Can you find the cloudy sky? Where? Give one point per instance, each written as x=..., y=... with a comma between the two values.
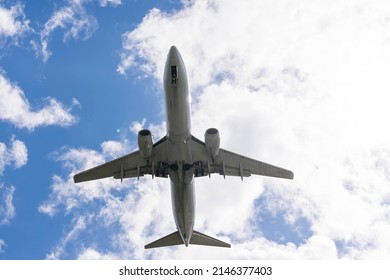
x=299, y=84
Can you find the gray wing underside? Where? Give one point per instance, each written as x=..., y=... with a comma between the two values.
x=227, y=163
x=129, y=166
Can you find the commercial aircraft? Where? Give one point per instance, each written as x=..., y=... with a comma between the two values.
x=181, y=157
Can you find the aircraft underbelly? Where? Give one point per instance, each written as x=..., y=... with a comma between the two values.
x=178, y=114
x=176, y=100
x=183, y=206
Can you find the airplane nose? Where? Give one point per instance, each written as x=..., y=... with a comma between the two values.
x=173, y=52
x=175, y=72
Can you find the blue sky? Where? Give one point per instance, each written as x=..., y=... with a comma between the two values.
x=300, y=85
x=81, y=75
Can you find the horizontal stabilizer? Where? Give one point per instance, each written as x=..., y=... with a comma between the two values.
x=197, y=238
x=169, y=240
x=203, y=239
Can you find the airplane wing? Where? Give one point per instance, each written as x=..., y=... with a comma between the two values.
x=129, y=166
x=230, y=164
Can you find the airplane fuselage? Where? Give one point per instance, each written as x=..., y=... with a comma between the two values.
x=177, y=101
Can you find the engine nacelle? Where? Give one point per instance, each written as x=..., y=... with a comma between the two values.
x=145, y=143
x=212, y=141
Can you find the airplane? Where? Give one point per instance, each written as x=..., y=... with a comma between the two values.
x=181, y=157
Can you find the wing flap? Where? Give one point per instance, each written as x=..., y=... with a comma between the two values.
x=124, y=165
x=234, y=163
x=128, y=166
x=231, y=164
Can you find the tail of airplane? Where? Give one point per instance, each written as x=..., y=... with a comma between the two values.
x=203, y=239
x=197, y=238
x=169, y=240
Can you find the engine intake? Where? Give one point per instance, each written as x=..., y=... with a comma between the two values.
x=145, y=143
x=212, y=141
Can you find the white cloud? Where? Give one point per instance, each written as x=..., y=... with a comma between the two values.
x=15, y=108
x=92, y=254
x=17, y=154
x=105, y=3
x=122, y=212
x=301, y=85
x=113, y=149
x=7, y=209
x=306, y=88
x=78, y=225
x=72, y=196
x=136, y=126
x=73, y=19
x=2, y=245
x=13, y=23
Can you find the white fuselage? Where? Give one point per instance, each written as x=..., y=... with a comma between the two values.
x=177, y=101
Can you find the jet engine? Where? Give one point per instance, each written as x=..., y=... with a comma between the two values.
x=145, y=143
x=212, y=141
